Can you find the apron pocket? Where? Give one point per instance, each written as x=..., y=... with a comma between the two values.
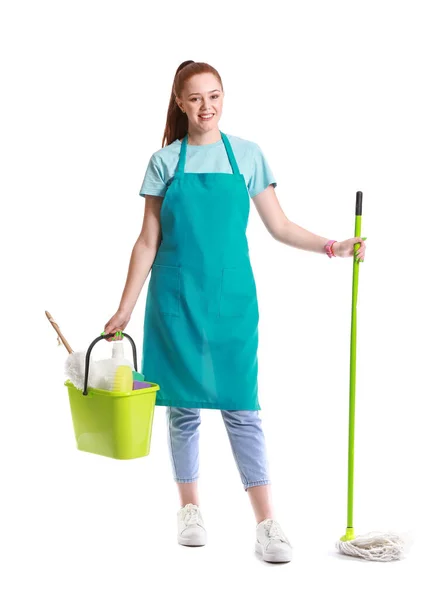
x=237, y=291
x=166, y=288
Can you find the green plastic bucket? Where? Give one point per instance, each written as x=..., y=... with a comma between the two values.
x=113, y=424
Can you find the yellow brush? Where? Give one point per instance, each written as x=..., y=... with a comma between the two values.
x=123, y=379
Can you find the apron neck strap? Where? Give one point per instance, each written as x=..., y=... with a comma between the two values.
x=231, y=156
x=182, y=158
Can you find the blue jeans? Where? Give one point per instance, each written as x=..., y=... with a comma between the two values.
x=245, y=435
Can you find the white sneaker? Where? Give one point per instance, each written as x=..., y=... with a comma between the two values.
x=191, y=530
x=271, y=542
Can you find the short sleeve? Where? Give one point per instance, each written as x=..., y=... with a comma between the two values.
x=261, y=174
x=154, y=179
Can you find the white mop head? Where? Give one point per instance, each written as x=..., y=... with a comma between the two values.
x=374, y=546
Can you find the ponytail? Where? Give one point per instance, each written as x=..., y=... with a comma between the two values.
x=177, y=123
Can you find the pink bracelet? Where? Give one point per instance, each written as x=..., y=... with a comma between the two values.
x=329, y=248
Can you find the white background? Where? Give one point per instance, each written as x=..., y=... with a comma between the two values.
x=335, y=95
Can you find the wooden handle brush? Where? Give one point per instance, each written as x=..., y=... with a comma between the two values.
x=57, y=329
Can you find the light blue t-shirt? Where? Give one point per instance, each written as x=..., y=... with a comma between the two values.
x=208, y=158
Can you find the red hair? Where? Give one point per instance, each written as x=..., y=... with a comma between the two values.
x=177, y=122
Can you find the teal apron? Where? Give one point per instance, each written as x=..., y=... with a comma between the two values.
x=201, y=319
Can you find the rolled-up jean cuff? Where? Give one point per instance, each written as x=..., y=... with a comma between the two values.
x=185, y=480
x=254, y=483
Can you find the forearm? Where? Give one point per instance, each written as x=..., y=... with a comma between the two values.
x=293, y=235
x=141, y=262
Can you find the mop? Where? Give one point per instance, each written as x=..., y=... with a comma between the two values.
x=375, y=545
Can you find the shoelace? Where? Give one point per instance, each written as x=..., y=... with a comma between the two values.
x=190, y=514
x=274, y=532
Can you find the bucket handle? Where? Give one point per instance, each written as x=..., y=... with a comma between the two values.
x=88, y=355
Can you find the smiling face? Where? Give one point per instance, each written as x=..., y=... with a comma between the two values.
x=202, y=100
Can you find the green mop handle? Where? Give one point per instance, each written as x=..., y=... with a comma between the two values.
x=353, y=367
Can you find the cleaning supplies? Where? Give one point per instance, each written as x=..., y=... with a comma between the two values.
x=139, y=381
x=138, y=376
x=74, y=370
x=117, y=424
x=75, y=364
x=139, y=385
x=101, y=372
x=109, y=366
x=123, y=380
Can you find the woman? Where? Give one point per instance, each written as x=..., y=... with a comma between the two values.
x=201, y=320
